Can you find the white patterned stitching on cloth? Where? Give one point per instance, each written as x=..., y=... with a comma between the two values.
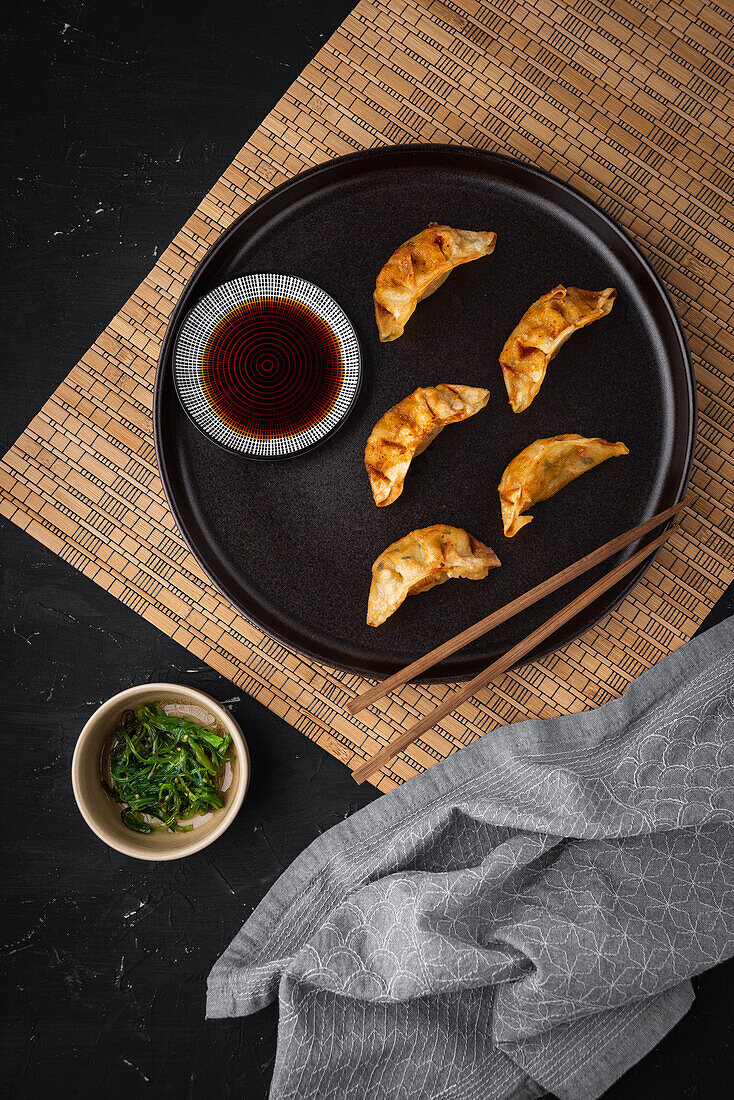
x=342, y=859
x=564, y=948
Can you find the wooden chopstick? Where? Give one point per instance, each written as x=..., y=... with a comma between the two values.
x=456, y=698
x=583, y=565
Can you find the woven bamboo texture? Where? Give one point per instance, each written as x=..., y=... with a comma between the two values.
x=631, y=102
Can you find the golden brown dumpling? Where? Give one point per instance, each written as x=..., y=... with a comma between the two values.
x=418, y=268
x=543, y=329
x=420, y=561
x=408, y=427
x=543, y=468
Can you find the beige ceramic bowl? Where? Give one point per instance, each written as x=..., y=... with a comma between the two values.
x=102, y=813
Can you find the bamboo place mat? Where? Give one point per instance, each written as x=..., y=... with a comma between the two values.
x=628, y=101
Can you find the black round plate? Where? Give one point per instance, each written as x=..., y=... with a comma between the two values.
x=292, y=544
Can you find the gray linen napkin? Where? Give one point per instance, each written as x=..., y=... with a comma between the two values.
x=523, y=918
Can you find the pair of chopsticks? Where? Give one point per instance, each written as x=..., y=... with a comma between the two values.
x=456, y=698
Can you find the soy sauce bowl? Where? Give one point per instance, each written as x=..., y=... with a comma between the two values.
x=267, y=366
x=103, y=814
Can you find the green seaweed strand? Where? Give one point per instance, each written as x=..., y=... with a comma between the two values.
x=166, y=768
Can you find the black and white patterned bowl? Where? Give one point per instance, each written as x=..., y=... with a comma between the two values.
x=271, y=370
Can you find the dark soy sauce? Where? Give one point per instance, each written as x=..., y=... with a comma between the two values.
x=272, y=367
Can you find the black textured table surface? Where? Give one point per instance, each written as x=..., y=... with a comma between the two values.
x=118, y=118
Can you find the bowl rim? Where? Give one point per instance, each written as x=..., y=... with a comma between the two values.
x=230, y=810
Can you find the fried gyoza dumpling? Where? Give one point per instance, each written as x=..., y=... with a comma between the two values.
x=420, y=561
x=543, y=468
x=407, y=429
x=418, y=268
x=543, y=329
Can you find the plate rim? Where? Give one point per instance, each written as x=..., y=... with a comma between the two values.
x=564, y=637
